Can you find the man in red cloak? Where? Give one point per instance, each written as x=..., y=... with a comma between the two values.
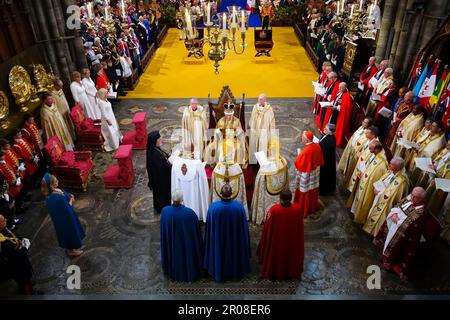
x=308, y=165
x=281, y=248
x=341, y=114
x=332, y=90
x=323, y=78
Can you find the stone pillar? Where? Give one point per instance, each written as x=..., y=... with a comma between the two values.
x=401, y=14
x=47, y=46
x=411, y=39
x=386, y=24
x=76, y=44
x=29, y=9
x=398, y=55
x=435, y=13
x=56, y=39
x=62, y=28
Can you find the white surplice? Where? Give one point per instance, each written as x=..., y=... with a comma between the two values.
x=79, y=95
x=193, y=183
x=91, y=92
x=111, y=133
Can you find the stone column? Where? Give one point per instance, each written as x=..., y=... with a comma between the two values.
x=62, y=28
x=398, y=55
x=411, y=39
x=47, y=46
x=397, y=28
x=29, y=9
x=435, y=13
x=56, y=39
x=76, y=44
x=385, y=29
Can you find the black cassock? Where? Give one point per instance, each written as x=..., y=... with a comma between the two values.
x=159, y=172
x=328, y=170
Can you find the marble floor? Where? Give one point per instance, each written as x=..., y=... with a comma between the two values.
x=122, y=246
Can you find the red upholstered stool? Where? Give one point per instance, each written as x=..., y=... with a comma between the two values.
x=120, y=175
x=138, y=136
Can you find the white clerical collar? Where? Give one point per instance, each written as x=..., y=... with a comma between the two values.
x=308, y=143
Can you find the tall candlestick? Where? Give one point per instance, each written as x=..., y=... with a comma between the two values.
x=370, y=10
x=224, y=22
x=233, y=19
x=337, y=8
x=123, y=9
x=208, y=13
x=360, y=5
x=343, y=6
x=243, y=20
x=351, y=11
x=106, y=10
x=89, y=9
x=189, y=26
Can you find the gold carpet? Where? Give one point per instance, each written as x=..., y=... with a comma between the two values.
x=287, y=74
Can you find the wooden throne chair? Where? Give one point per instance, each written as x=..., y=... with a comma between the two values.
x=263, y=42
x=217, y=110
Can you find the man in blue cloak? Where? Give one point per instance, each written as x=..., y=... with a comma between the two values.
x=227, y=240
x=181, y=241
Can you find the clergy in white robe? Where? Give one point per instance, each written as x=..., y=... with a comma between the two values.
x=79, y=96
x=232, y=174
x=270, y=181
x=91, y=90
x=262, y=127
x=189, y=176
x=63, y=106
x=53, y=123
x=110, y=127
x=194, y=127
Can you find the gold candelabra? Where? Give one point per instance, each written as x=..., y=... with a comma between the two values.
x=221, y=35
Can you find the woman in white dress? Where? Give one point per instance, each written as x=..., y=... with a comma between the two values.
x=91, y=91
x=110, y=128
x=80, y=96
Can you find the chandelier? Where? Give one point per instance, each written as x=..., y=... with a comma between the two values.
x=222, y=34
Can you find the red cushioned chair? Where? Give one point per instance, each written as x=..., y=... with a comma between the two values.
x=120, y=175
x=88, y=130
x=138, y=136
x=72, y=168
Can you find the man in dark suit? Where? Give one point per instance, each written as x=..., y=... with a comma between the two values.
x=141, y=31
x=327, y=184
x=14, y=261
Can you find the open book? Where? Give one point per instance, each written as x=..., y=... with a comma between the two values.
x=326, y=104
x=373, y=82
x=407, y=144
x=443, y=184
x=423, y=164
x=385, y=112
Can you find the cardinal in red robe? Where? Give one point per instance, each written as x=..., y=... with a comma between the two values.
x=308, y=165
x=281, y=248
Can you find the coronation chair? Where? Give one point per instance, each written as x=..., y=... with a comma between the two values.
x=88, y=130
x=72, y=168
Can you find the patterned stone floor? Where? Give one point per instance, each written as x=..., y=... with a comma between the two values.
x=122, y=255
